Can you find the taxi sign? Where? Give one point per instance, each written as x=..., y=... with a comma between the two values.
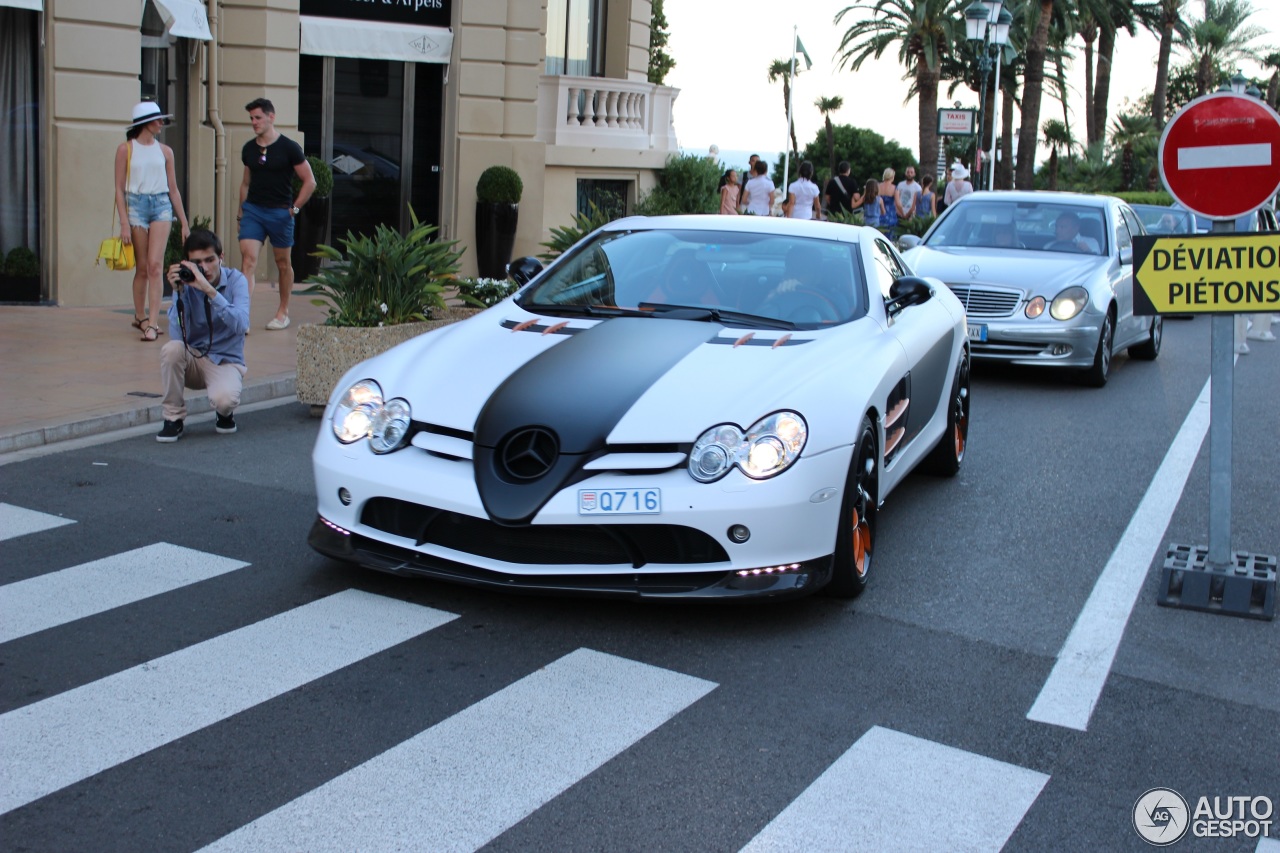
x=1228, y=274
x=1220, y=155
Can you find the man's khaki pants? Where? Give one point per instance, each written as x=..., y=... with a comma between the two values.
x=180, y=369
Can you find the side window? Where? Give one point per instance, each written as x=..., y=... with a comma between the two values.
x=1135, y=224
x=887, y=267
x=1123, y=240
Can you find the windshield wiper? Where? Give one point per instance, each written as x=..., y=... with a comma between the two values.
x=584, y=310
x=719, y=315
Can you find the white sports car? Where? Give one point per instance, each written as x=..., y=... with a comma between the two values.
x=686, y=406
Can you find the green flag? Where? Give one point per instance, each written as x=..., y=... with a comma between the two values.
x=808, y=63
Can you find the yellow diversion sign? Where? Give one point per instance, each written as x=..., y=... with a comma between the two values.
x=1205, y=274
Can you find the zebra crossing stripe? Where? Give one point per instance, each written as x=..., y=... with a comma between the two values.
x=891, y=791
x=463, y=782
x=66, y=738
x=16, y=521
x=64, y=596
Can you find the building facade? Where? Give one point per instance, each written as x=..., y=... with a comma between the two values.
x=407, y=100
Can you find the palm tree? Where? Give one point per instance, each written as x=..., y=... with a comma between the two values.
x=1272, y=60
x=1119, y=15
x=1222, y=38
x=1055, y=136
x=1164, y=18
x=1032, y=94
x=1130, y=132
x=925, y=31
x=827, y=106
x=780, y=69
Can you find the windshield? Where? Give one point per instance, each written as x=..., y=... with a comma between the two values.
x=729, y=277
x=1035, y=225
x=1165, y=220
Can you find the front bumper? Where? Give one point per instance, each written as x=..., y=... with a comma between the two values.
x=1041, y=342
x=412, y=512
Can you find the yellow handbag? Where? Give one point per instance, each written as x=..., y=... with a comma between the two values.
x=117, y=254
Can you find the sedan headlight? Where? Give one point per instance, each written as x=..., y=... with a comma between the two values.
x=362, y=413
x=1035, y=307
x=768, y=448
x=1069, y=303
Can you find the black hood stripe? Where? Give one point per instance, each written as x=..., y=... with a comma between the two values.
x=578, y=390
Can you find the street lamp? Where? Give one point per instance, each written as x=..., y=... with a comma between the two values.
x=1238, y=82
x=986, y=25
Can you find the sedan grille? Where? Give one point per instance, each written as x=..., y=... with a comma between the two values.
x=986, y=301
x=543, y=544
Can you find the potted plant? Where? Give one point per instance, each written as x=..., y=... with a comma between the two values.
x=497, y=208
x=381, y=290
x=311, y=222
x=21, y=276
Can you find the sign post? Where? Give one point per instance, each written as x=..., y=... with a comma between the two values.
x=1220, y=158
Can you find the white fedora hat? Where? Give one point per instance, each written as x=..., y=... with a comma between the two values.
x=146, y=112
x=959, y=171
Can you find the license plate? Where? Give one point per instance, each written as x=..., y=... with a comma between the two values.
x=619, y=501
x=978, y=332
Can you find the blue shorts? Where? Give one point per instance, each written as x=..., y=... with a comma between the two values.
x=145, y=208
x=259, y=223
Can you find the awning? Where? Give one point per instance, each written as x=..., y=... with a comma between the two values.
x=33, y=5
x=185, y=18
x=375, y=40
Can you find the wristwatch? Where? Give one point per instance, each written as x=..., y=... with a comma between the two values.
x=295, y=210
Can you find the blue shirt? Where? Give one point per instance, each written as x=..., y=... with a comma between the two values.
x=229, y=312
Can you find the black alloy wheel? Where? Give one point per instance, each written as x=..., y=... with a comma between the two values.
x=856, y=535
x=948, y=454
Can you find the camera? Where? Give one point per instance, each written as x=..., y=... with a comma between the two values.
x=186, y=274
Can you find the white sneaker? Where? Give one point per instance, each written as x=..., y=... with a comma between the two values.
x=1242, y=349
x=1263, y=336
x=277, y=323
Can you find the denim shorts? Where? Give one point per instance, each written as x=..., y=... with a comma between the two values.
x=145, y=208
x=259, y=223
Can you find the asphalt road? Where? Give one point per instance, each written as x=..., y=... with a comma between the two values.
x=265, y=698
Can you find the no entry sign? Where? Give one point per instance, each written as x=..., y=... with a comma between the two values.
x=1220, y=155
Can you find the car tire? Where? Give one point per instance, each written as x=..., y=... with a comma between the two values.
x=1101, y=369
x=1150, y=348
x=856, y=533
x=948, y=454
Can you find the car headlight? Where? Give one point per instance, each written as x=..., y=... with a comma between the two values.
x=768, y=448
x=1035, y=307
x=1069, y=303
x=362, y=413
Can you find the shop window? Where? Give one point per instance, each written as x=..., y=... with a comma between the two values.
x=575, y=37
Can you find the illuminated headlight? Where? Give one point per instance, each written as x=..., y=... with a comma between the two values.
x=362, y=413
x=1035, y=307
x=768, y=448
x=1069, y=303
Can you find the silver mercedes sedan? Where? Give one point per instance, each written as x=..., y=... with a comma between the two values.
x=1046, y=278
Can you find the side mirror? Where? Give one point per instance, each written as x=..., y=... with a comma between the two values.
x=1126, y=256
x=907, y=291
x=523, y=270
x=908, y=241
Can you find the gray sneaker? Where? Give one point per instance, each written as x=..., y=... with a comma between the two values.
x=170, y=432
x=226, y=424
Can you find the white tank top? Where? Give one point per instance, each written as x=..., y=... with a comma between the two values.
x=146, y=169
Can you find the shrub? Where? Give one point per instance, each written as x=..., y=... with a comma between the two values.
x=583, y=224
x=916, y=225
x=484, y=292
x=499, y=185
x=324, y=179
x=385, y=279
x=1136, y=197
x=845, y=217
x=22, y=263
x=689, y=183
x=173, y=251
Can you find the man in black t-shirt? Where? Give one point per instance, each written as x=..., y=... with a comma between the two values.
x=267, y=206
x=840, y=190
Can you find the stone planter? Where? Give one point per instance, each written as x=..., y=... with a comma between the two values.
x=325, y=353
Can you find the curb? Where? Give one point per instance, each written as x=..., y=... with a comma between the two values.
x=271, y=388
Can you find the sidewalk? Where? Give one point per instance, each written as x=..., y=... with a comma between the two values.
x=73, y=372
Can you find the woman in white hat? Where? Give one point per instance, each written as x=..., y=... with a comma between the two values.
x=959, y=185
x=147, y=198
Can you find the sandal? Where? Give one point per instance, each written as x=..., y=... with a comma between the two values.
x=137, y=322
x=149, y=332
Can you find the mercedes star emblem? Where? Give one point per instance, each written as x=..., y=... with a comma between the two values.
x=530, y=453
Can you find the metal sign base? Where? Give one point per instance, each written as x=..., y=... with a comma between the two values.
x=1245, y=587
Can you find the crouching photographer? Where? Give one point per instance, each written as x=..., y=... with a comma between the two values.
x=208, y=318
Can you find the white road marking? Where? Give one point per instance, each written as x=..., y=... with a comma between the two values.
x=16, y=521
x=463, y=782
x=1224, y=156
x=1073, y=687
x=69, y=737
x=74, y=593
x=891, y=791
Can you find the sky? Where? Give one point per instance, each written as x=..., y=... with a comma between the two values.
x=723, y=51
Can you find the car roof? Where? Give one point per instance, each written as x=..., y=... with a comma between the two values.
x=772, y=225
x=1054, y=196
